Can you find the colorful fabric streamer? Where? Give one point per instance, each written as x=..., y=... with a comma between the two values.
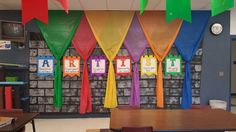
x=135, y=42
x=84, y=42
x=160, y=36
x=58, y=35
x=110, y=29
x=143, y=5
x=65, y=5
x=219, y=6
x=34, y=9
x=187, y=42
x=178, y=9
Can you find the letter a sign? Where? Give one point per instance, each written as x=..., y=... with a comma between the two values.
x=71, y=66
x=45, y=65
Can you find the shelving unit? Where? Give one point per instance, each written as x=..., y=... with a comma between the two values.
x=13, y=83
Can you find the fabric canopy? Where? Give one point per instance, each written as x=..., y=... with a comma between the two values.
x=58, y=35
x=160, y=36
x=84, y=43
x=135, y=42
x=178, y=9
x=187, y=42
x=110, y=29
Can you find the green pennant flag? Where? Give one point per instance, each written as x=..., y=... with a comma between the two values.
x=178, y=9
x=143, y=5
x=219, y=6
x=58, y=35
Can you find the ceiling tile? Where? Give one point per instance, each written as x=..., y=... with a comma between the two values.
x=119, y=4
x=94, y=4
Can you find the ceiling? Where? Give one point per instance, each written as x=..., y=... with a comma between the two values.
x=105, y=5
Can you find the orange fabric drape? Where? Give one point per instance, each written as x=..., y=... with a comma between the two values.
x=110, y=29
x=160, y=36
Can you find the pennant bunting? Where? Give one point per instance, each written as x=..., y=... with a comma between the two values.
x=135, y=42
x=187, y=42
x=71, y=66
x=219, y=6
x=160, y=36
x=84, y=42
x=178, y=9
x=34, y=9
x=143, y=5
x=45, y=66
x=148, y=65
x=64, y=4
x=98, y=66
x=173, y=65
x=58, y=35
x=110, y=29
x=123, y=66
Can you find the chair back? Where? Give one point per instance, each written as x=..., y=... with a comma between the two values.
x=136, y=129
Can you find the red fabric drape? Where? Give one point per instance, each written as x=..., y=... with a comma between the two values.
x=84, y=43
x=34, y=9
x=8, y=97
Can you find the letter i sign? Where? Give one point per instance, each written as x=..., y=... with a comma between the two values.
x=71, y=66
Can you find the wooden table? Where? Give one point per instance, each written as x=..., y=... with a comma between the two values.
x=174, y=120
x=20, y=122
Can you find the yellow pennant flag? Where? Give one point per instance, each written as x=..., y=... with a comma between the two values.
x=110, y=29
x=160, y=36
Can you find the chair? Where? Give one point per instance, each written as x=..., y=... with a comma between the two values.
x=136, y=129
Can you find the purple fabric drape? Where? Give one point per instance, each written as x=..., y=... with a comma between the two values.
x=135, y=42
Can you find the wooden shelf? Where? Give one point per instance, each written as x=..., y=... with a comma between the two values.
x=13, y=83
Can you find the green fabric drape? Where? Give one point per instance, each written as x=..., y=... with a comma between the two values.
x=219, y=6
x=58, y=35
x=178, y=9
x=143, y=5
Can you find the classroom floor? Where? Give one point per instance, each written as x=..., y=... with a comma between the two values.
x=80, y=124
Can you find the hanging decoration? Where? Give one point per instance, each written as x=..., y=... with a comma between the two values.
x=64, y=4
x=58, y=35
x=123, y=66
x=34, y=9
x=143, y=5
x=173, y=65
x=148, y=65
x=219, y=6
x=45, y=66
x=178, y=9
x=110, y=29
x=71, y=66
x=84, y=42
x=135, y=42
x=187, y=42
x=98, y=66
x=160, y=36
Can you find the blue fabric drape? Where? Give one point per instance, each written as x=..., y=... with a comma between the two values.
x=187, y=42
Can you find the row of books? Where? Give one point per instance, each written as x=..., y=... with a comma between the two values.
x=9, y=97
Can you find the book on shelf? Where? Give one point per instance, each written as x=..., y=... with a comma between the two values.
x=4, y=121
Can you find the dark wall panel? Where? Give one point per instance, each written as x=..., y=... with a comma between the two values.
x=215, y=77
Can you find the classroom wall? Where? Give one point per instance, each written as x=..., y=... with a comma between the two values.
x=206, y=67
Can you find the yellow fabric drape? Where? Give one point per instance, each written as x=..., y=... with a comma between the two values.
x=110, y=29
x=160, y=36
